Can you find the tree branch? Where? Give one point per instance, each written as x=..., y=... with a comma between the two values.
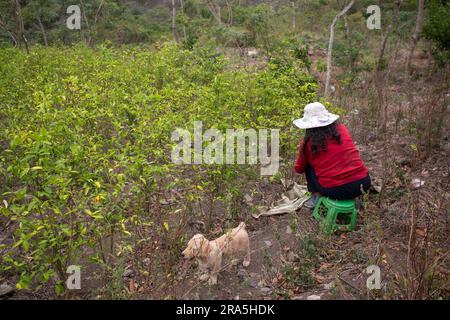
x=330, y=44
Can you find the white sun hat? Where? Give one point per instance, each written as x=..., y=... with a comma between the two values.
x=314, y=116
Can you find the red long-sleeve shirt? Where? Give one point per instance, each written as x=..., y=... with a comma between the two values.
x=338, y=165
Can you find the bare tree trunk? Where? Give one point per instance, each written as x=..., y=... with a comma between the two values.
x=293, y=16
x=330, y=45
x=379, y=76
x=416, y=35
x=88, y=37
x=4, y=26
x=97, y=13
x=44, y=34
x=347, y=33
x=386, y=34
x=230, y=12
x=344, y=16
x=215, y=10
x=97, y=16
x=184, y=27
x=20, y=26
x=347, y=27
x=174, y=21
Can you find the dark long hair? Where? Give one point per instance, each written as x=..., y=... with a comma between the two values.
x=319, y=137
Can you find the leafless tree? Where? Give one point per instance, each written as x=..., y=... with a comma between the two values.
x=20, y=25
x=387, y=33
x=87, y=38
x=44, y=34
x=416, y=35
x=230, y=12
x=214, y=8
x=184, y=26
x=379, y=76
x=330, y=44
x=4, y=26
x=293, y=15
x=174, y=21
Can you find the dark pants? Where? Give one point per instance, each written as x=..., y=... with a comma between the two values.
x=344, y=192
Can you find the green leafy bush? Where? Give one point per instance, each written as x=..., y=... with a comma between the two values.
x=437, y=24
x=437, y=28
x=86, y=138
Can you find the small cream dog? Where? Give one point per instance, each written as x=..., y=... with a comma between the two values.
x=209, y=253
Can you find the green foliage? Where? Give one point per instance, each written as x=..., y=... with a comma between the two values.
x=300, y=273
x=258, y=22
x=86, y=139
x=233, y=36
x=345, y=54
x=436, y=27
x=321, y=66
x=437, y=24
x=298, y=48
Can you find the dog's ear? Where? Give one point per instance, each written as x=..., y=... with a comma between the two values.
x=197, y=244
x=205, y=249
x=204, y=246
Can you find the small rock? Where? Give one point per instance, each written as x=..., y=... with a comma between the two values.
x=127, y=273
x=329, y=286
x=268, y=243
x=266, y=290
x=313, y=297
x=425, y=173
x=248, y=198
x=253, y=282
x=242, y=272
x=288, y=230
x=404, y=162
x=203, y=277
x=371, y=137
x=291, y=256
x=262, y=283
x=146, y=261
x=5, y=289
x=417, y=183
x=377, y=188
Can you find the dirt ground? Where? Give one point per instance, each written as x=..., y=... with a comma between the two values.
x=340, y=269
x=400, y=230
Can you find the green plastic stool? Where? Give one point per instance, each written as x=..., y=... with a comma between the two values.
x=327, y=212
